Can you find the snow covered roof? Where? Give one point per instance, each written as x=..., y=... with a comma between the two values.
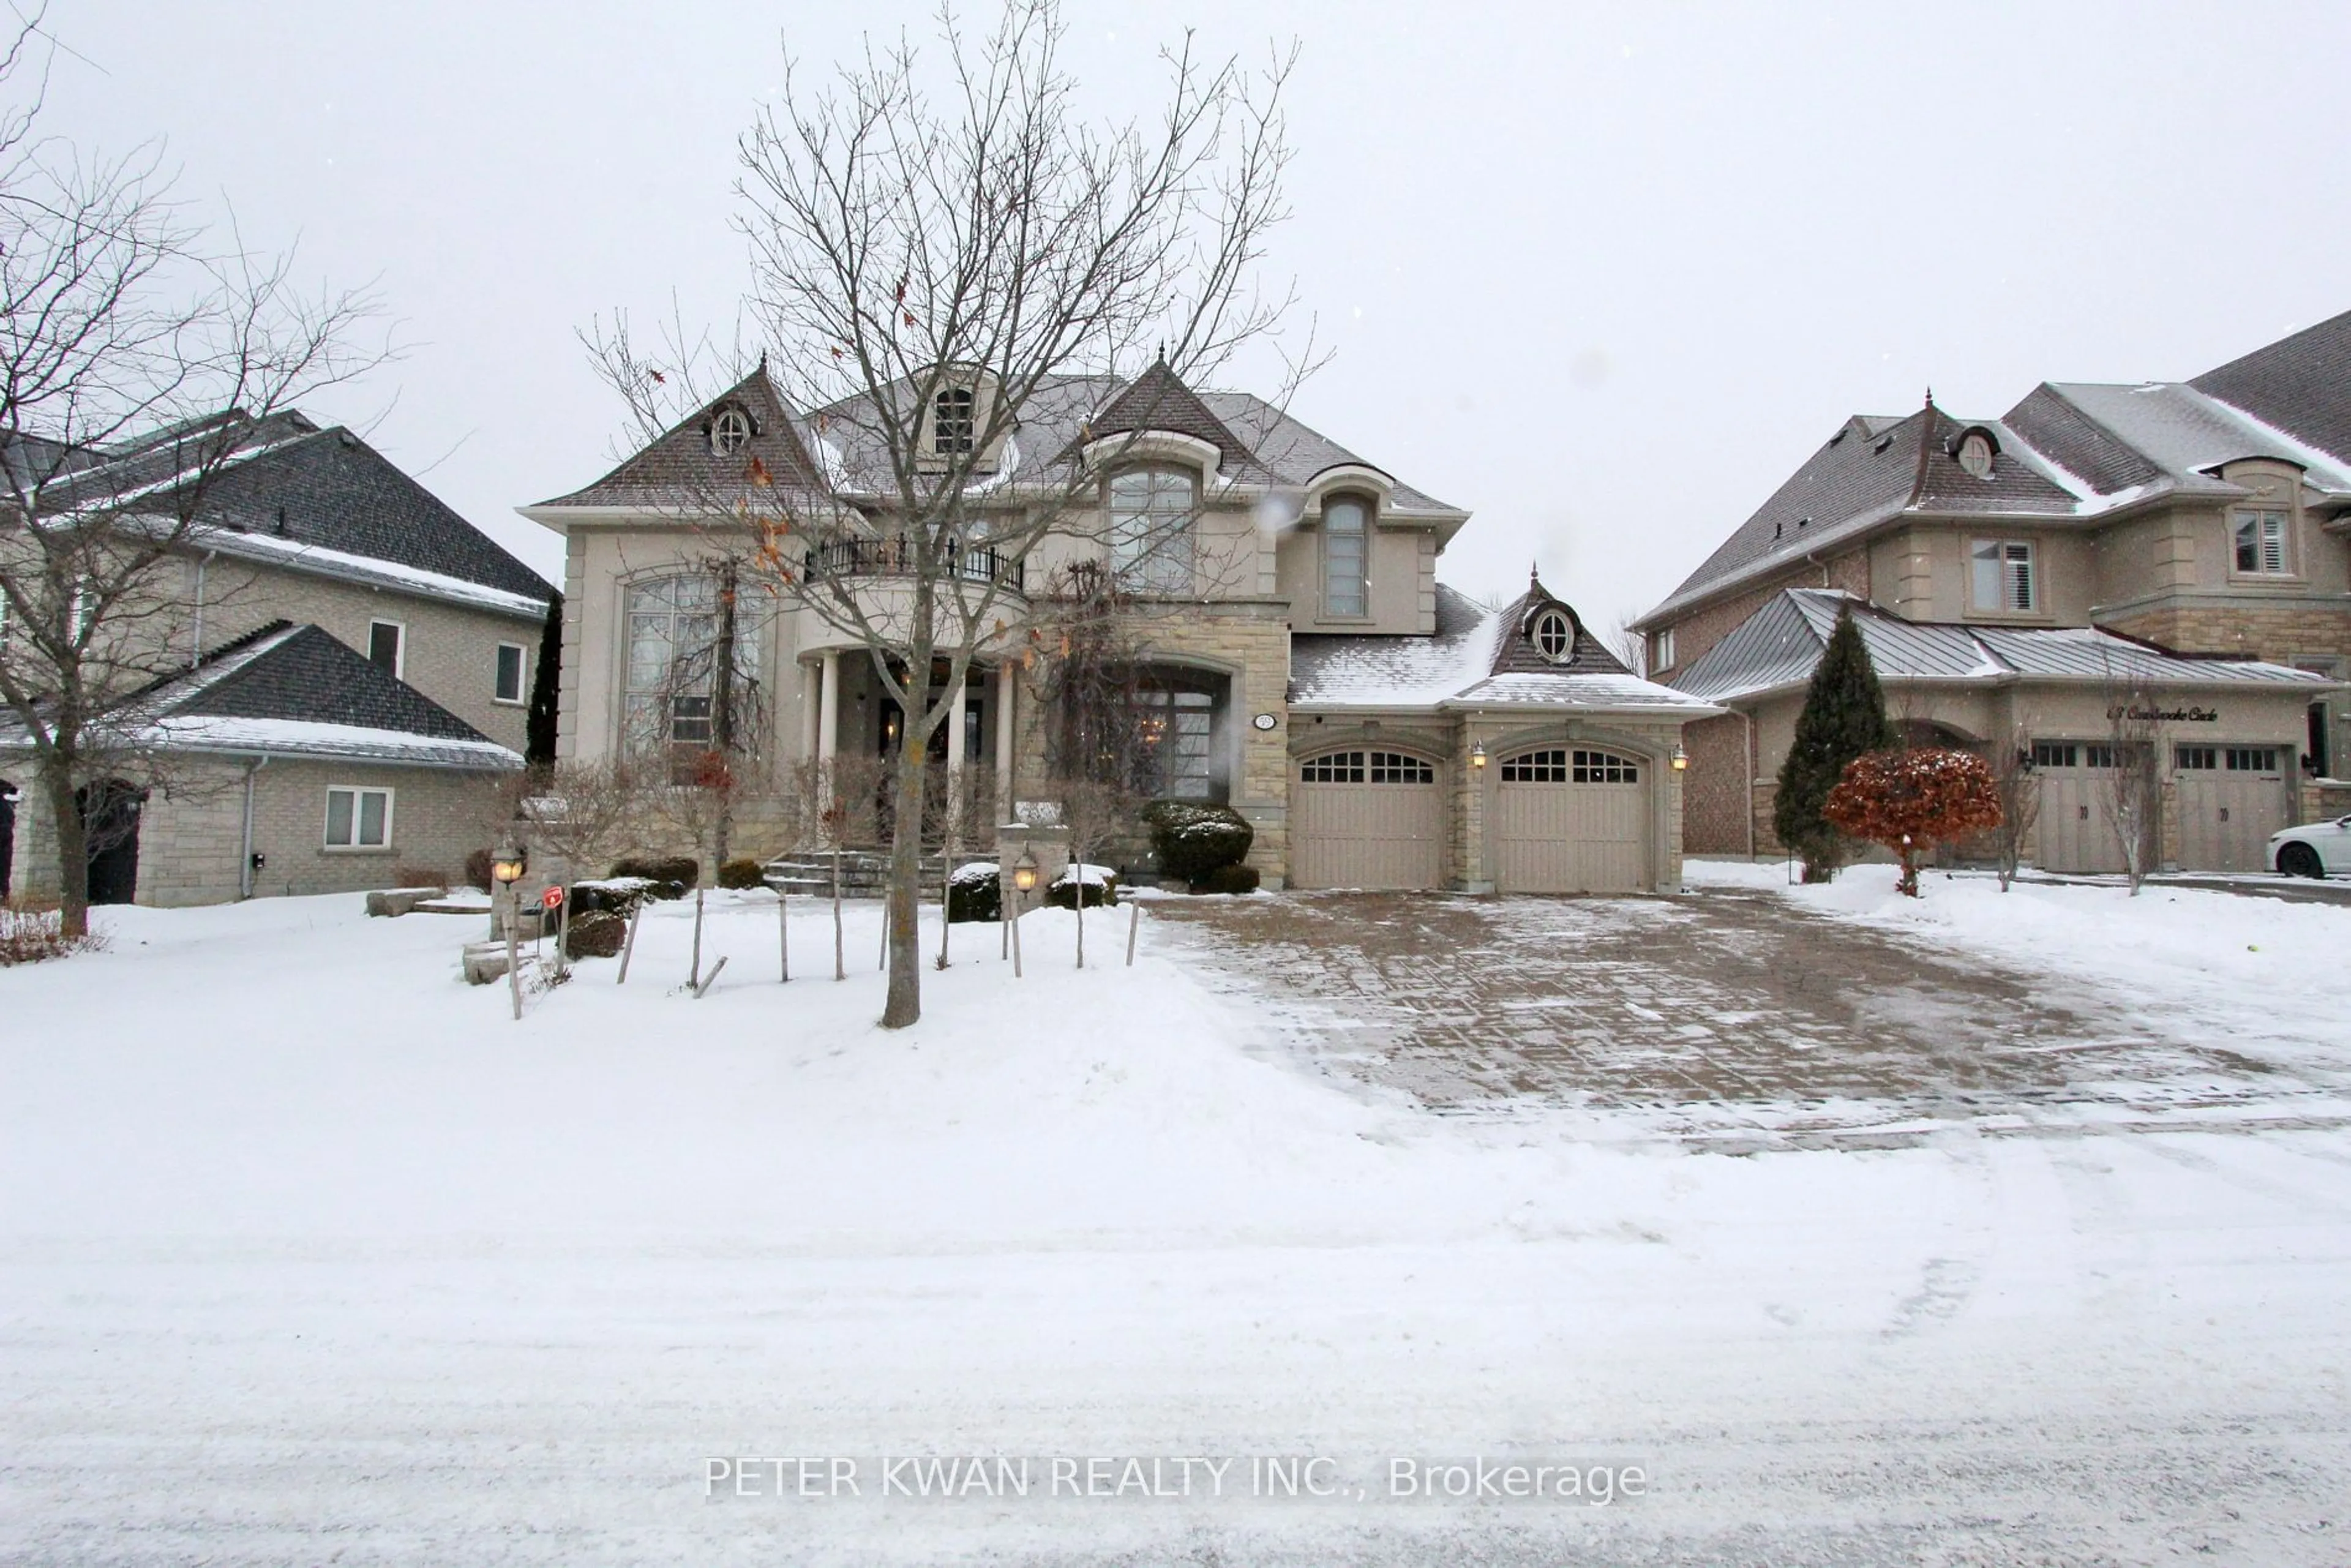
x=836, y=450
x=2068, y=451
x=295, y=691
x=1779, y=645
x=1478, y=657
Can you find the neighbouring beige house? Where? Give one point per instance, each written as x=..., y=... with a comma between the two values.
x=344, y=663
x=2160, y=565
x=1300, y=660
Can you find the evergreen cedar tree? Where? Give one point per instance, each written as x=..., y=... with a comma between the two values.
x=546, y=685
x=1912, y=800
x=1843, y=718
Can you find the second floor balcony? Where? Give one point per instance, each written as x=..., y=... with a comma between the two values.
x=888, y=557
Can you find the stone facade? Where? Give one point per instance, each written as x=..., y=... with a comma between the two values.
x=191, y=831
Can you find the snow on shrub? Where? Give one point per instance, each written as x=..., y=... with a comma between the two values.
x=1912, y=800
x=1101, y=884
x=1192, y=840
x=975, y=891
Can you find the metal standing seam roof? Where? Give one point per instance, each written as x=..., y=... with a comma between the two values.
x=1780, y=644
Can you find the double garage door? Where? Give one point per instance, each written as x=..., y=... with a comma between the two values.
x=2230, y=800
x=1566, y=820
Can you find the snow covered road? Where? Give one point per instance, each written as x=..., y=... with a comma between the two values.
x=308, y=1253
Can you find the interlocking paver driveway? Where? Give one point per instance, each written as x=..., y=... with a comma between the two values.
x=1727, y=1015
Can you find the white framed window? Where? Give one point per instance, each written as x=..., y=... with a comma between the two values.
x=388, y=647
x=358, y=819
x=952, y=425
x=2006, y=576
x=1554, y=635
x=730, y=432
x=1346, y=557
x=507, y=680
x=1661, y=650
x=1151, y=530
x=2259, y=543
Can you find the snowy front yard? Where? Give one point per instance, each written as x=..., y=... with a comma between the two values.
x=308, y=1252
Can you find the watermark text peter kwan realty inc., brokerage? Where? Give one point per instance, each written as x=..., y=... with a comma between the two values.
x=1305, y=1477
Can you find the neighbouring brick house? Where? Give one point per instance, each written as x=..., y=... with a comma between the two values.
x=346, y=662
x=1303, y=663
x=2175, y=550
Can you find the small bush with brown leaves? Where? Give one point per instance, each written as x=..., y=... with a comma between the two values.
x=29, y=936
x=597, y=935
x=1229, y=879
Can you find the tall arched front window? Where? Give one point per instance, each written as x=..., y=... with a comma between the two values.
x=672, y=697
x=1346, y=557
x=1151, y=530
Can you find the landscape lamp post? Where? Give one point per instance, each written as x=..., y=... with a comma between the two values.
x=1024, y=882
x=505, y=870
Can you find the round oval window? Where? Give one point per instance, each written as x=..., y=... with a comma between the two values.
x=1554, y=637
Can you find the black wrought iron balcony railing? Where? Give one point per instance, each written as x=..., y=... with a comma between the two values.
x=895, y=557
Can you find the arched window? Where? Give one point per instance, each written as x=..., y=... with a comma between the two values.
x=1346, y=557
x=951, y=420
x=730, y=432
x=672, y=696
x=1151, y=530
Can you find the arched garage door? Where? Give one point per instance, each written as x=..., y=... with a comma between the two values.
x=1572, y=820
x=1367, y=819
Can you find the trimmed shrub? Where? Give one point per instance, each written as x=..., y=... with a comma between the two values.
x=975, y=891
x=1100, y=890
x=598, y=935
x=741, y=873
x=1192, y=839
x=673, y=876
x=613, y=895
x=478, y=870
x=1229, y=879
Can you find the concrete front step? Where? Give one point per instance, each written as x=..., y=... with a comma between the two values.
x=864, y=874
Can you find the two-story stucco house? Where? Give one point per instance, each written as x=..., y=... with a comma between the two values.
x=344, y=661
x=1301, y=660
x=2173, y=550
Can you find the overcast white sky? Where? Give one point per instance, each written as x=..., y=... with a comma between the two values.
x=1604, y=274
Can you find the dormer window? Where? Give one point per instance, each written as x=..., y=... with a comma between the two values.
x=952, y=422
x=730, y=432
x=1975, y=454
x=1553, y=636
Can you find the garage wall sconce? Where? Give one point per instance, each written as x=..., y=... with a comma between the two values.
x=1478, y=755
x=1681, y=760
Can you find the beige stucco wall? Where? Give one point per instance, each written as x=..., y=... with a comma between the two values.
x=1403, y=579
x=450, y=651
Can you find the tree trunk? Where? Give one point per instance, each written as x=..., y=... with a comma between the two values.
x=905, y=1001
x=73, y=847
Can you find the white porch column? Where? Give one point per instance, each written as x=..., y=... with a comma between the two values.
x=811, y=701
x=955, y=727
x=828, y=719
x=1004, y=685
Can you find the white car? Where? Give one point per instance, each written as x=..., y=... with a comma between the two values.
x=2314, y=849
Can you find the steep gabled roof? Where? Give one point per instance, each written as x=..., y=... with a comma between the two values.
x=2301, y=385
x=1515, y=651
x=284, y=690
x=331, y=490
x=680, y=468
x=1158, y=400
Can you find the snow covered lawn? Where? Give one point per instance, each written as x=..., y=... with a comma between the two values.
x=308, y=1252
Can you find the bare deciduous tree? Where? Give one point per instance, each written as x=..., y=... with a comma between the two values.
x=930, y=254
x=2132, y=795
x=2018, y=789
x=581, y=813
x=139, y=359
